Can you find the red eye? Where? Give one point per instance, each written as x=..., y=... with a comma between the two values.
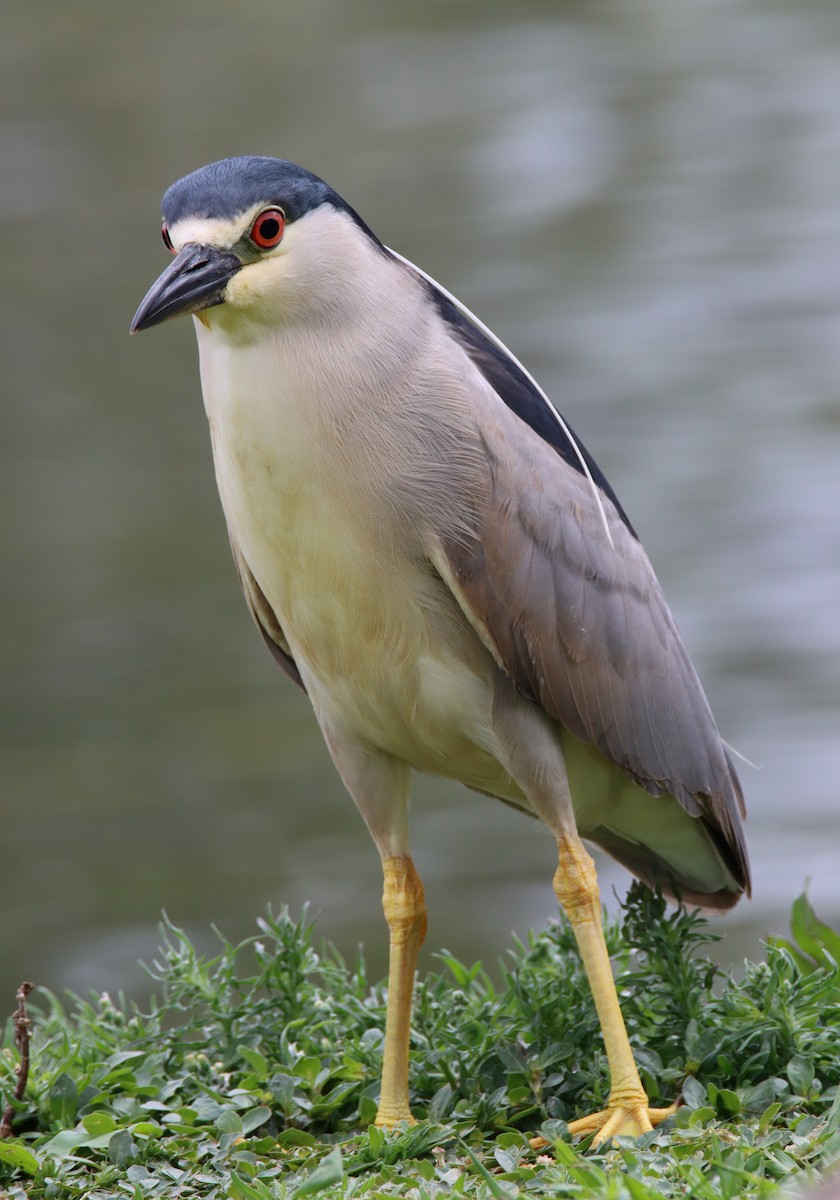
x=267, y=230
x=167, y=240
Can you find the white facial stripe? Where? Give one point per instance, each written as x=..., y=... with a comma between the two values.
x=212, y=231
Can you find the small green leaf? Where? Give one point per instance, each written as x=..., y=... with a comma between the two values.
x=307, y=1068
x=376, y=1140
x=256, y=1061
x=242, y=1189
x=282, y=1088
x=592, y=1178
x=121, y=1148
x=639, y=1190
x=18, y=1156
x=295, y=1137
x=833, y=1120
x=694, y=1093
x=805, y=963
x=146, y=1129
x=63, y=1100
x=728, y=1102
x=768, y=1116
x=99, y=1122
x=493, y=1185
x=330, y=1170
x=513, y=1139
x=122, y=1056
x=424, y=1167
x=461, y=973
x=441, y=1103
x=506, y=1160
x=757, y=1098
x=565, y=1154
x=101, y=1142
x=811, y=934
x=64, y=1143
x=800, y=1072
x=229, y=1121
x=253, y=1118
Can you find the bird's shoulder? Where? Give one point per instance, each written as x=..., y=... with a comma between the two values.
x=511, y=383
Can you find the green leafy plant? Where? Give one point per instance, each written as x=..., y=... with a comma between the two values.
x=254, y=1074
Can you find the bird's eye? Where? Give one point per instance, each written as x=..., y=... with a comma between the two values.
x=267, y=230
x=167, y=240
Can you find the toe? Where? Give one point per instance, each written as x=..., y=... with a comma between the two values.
x=624, y=1122
x=589, y=1124
x=620, y=1121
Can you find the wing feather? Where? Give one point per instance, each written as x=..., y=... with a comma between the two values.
x=265, y=617
x=581, y=626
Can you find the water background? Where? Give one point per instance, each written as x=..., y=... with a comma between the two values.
x=641, y=198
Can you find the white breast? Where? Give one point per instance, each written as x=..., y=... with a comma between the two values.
x=381, y=644
x=284, y=488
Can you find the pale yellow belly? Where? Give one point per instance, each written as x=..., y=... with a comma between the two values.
x=383, y=649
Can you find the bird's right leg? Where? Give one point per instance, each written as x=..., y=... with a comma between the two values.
x=379, y=785
x=405, y=912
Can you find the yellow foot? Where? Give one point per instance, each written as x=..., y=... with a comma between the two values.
x=620, y=1121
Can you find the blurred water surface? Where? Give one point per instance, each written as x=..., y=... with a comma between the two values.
x=641, y=198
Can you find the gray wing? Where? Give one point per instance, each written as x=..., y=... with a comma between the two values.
x=579, y=624
x=265, y=617
x=582, y=628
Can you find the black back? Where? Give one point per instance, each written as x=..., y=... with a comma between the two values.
x=514, y=387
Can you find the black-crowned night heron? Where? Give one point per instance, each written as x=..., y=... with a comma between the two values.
x=434, y=557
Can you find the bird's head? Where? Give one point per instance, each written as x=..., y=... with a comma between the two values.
x=255, y=240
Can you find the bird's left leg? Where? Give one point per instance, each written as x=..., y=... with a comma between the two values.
x=379, y=785
x=532, y=751
x=576, y=887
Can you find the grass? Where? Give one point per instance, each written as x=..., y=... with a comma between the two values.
x=255, y=1074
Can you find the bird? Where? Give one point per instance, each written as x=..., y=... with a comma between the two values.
x=431, y=553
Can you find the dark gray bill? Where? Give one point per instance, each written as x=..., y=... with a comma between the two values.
x=196, y=279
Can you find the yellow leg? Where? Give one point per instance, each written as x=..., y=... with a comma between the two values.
x=405, y=912
x=627, y=1112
